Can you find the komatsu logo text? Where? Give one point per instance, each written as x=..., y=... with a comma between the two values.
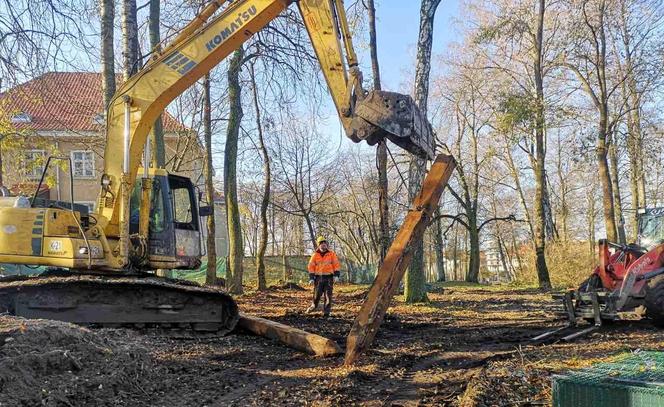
x=180, y=62
x=226, y=32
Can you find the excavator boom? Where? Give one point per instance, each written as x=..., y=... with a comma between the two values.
x=203, y=44
x=152, y=221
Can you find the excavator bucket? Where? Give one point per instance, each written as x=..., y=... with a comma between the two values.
x=393, y=116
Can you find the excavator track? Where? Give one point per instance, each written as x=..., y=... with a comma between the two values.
x=139, y=302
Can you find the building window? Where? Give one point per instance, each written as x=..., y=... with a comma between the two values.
x=83, y=163
x=21, y=118
x=34, y=163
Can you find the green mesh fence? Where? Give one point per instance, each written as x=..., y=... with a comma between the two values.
x=199, y=275
x=296, y=270
x=19, y=270
x=632, y=379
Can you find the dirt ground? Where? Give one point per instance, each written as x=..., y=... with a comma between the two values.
x=468, y=346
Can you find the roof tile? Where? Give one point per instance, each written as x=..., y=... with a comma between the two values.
x=61, y=101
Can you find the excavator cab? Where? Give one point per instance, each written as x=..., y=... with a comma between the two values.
x=174, y=237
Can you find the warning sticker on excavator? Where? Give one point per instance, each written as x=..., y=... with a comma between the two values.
x=180, y=62
x=56, y=246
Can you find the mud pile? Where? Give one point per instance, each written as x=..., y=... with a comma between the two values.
x=56, y=363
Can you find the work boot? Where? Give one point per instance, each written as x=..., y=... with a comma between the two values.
x=311, y=309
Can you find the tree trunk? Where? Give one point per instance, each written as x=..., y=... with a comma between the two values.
x=439, y=247
x=501, y=255
x=235, y=243
x=540, y=152
x=564, y=208
x=415, y=287
x=310, y=229
x=107, y=50
x=517, y=254
x=211, y=275
x=634, y=174
x=473, y=274
x=284, y=258
x=455, y=253
x=265, y=202
x=603, y=131
x=617, y=200
x=381, y=150
x=157, y=135
x=514, y=171
x=591, y=223
x=129, y=38
x=632, y=100
x=605, y=179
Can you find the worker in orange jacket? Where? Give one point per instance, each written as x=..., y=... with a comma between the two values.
x=324, y=270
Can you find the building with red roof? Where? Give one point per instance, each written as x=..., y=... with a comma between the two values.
x=61, y=114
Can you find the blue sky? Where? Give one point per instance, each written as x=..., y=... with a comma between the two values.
x=397, y=26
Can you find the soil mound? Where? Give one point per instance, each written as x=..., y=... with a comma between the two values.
x=51, y=363
x=288, y=286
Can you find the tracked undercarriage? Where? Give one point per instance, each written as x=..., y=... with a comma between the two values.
x=140, y=302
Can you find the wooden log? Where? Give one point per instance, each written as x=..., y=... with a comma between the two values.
x=398, y=258
x=293, y=337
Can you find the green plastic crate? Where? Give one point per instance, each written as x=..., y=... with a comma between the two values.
x=632, y=379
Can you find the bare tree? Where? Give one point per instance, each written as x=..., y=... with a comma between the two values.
x=157, y=136
x=381, y=150
x=415, y=284
x=517, y=32
x=589, y=64
x=540, y=152
x=130, y=51
x=211, y=275
x=234, y=268
x=303, y=173
x=265, y=201
x=107, y=51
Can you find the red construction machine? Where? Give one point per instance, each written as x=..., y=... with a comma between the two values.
x=628, y=283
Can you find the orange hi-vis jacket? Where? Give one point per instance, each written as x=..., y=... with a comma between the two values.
x=324, y=263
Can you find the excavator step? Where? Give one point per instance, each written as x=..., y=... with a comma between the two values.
x=120, y=301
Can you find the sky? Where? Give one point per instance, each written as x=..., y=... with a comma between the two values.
x=397, y=26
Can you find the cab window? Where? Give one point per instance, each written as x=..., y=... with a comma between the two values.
x=182, y=201
x=157, y=215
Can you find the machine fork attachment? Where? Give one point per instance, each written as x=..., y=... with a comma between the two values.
x=572, y=302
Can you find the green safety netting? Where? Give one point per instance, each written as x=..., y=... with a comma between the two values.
x=631, y=379
x=199, y=274
x=19, y=270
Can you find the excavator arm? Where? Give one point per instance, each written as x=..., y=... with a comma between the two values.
x=203, y=44
x=64, y=235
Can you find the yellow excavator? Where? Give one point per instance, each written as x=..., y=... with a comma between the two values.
x=100, y=263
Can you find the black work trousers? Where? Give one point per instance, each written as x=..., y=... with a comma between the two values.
x=323, y=288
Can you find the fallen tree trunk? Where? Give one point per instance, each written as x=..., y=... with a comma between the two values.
x=398, y=258
x=293, y=337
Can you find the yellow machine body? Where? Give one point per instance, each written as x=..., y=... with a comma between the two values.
x=47, y=237
x=149, y=219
